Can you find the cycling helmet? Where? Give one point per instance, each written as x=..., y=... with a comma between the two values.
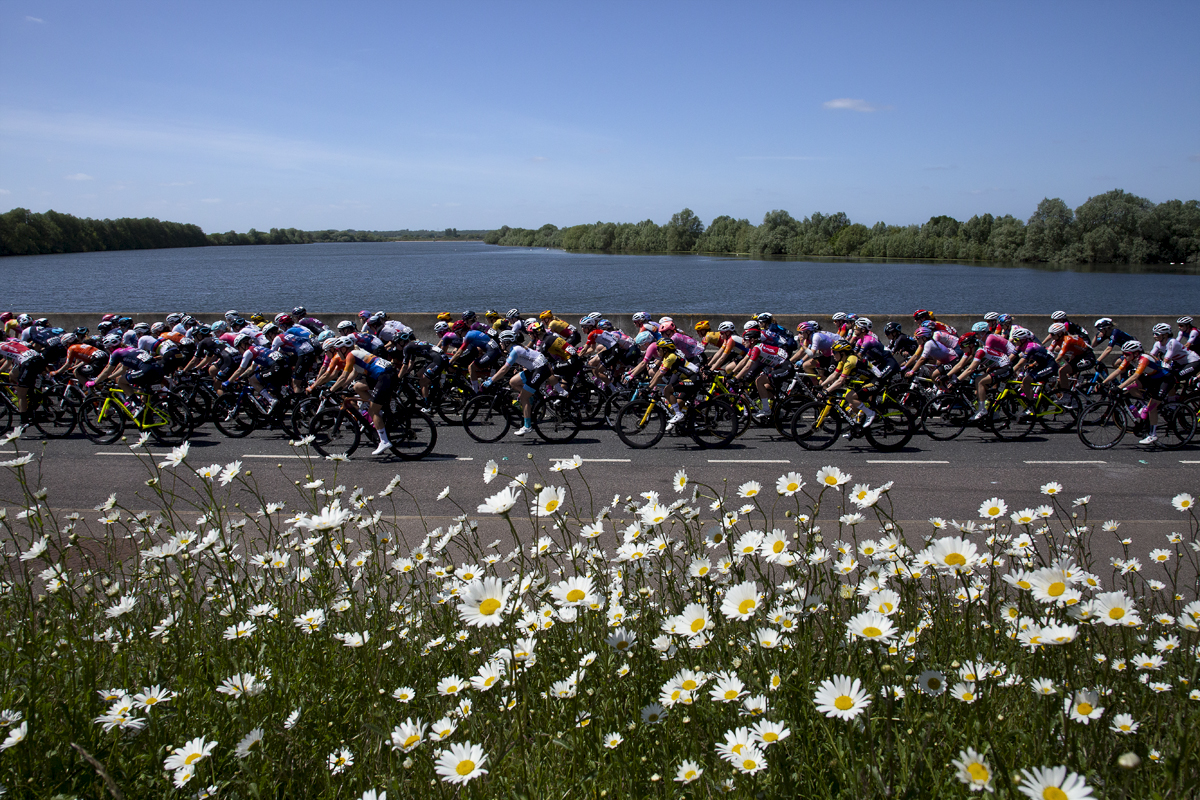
x=921, y=315
x=923, y=333
x=850, y=317
x=991, y=316
x=325, y=335
x=764, y=319
x=727, y=327
x=1161, y=329
x=81, y=331
x=1104, y=322
x=158, y=329
x=534, y=327
x=41, y=322
x=808, y=327
x=1058, y=316
x=863, y=323
x=105, y=318
x=1057, y=329
x=1132, y=346
x=640, y=317
x=68, y=339
x=1021, y=334
x=174, y=319
x=240, y=322
x=104, y=327
x=241, y=339
x=345, y=325
x=329, y=343
x=605, y=325
x=142, y=327
x=751, y=325
x=111, y=342
x=284, y=320
x=257, y=318
x=839, y=317
x=546, y=315
x=299, y=312
x=441, y=328
x=842, y=346
x=219, y=327
x=377, y=319
x=202, y=331
x=270, y=330
x=188, y=345
x=665, y=347
x=365, y=315
x=752, y=333
x=405, y=335
x=893, y=327
x=703, y=326
x=1005, y=319
x=124, y=322
x=644, y=338
x=980, y=327
x=1184, y=321
x=469, y=315
x=508, y=337
x=590, y=320
x=346, y=342
x=491, y=314
x=666, y=328
x=460, y=326
x=231, y=315
x=188, y=320
x=512, y=314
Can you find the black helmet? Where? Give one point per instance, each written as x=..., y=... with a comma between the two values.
x=299, y=311
x=468, y=315
x=892, y=327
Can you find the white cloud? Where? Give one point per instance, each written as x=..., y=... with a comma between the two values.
x=34, y=19
x=78, y=176
x=849, y=104
x=5, y=191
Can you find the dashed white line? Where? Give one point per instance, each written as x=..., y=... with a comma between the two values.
x=1181, y=461
x=596, y=460
x=1067, y=462
x=749, y=461
x=114, y=453
x=464, y=458
x=904, y=461
x=268, y=455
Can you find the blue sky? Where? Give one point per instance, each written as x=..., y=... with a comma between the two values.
x=473, y=115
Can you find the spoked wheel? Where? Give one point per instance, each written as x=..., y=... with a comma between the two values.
x=945, y=417
x=1058, y=410
x=588, y=403
x=555, y=420
x=453, y=397
x=783, y=409
x=892, y=428
x=815, y=426
x=1180, y=424
x=303, y=413
x=614, y=403
x=169, y=419
x=100, y=423
x=714, y=423
x=413, y=434
x=334, y=432
x=235, y=415
x=1010, y=420
x=57, y=413
x=6, y=416
x=1101, y=425
x=487, y=417
x=641, y=424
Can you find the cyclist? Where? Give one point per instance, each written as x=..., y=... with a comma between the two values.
x=901, y=346
x=533, y=371
x=607, y=349
x=84, y=360
x=1034, y=362
x=389, y=330
x=993, y=355
x=931, y=351
x=332, y=364
x=1072, y=353
x=1147, y=377
x=1073, y=329
x=375, y=381
x=413, y=351
x=816, y=355
x=565, y=360
x=1112, y=336
x=1189, y=334
x=25, y=364
x=215, y=356
x=314, y=325
x=644, y=323
x=767, y=365
x=775, y=334
x=480, y=352
x=921, y=316
x=672, y=369
x=131, y=367
x=265, y=368
x=846, y=366
x=1181, y=362
x=297, y=348
x=730, y=349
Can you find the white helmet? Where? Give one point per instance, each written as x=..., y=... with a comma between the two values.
x=1058, y=328
x=1058, y=316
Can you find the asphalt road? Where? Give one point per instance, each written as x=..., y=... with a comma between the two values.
x=1130, y=483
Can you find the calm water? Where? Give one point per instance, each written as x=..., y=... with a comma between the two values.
x=416, y=276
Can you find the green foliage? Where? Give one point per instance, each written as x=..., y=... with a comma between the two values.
x=23, y=233
x=1115, y=227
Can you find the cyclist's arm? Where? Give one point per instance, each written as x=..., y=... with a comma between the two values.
x=346, y=376
x=662, y=370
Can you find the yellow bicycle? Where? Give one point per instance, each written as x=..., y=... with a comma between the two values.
x=163, y=414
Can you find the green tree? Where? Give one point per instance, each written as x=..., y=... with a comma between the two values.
x=683, y=231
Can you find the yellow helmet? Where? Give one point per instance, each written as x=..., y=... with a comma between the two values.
x=703, y=327
x=546, y=315
x=257, y=319
x=842, y=346
x=445, y=316
x=665, y=347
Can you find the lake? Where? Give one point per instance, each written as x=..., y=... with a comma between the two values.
x=427, y=276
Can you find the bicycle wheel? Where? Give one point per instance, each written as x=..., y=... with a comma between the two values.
x=588, y=403
x=486, y=417
x=234, y=416
x=335, y=432
x=555, y=420
x=103, y=425
x=56, y=415
x=815, y=426
x=1058, y=410
x=413, y=434
x=1010, y=420
x=1177, y=421
x=784, y=408
x=641, y=424
x=303, y=413
x=6, y=415
x=615, y=402
x=892, y=428
x=199, y=404
x=945, y=417
x=1101, y=425
x=453, y=396
x=170, y=418
x=714, y=423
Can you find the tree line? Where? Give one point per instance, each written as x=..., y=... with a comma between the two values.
x=1115, y=227
x=25, y=233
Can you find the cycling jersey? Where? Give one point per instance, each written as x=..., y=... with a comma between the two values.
x=1173, y=353
x=768, y=355
x=1114, y=340
x=610, y=339
x=822, y=342
x=994, y=352
x=674, y=363
x=367, y=341
x=1146, y=367
x=526, y=357
x=128, y=339
x=390, y=331
x=847, y=365
x=299, y=347
x=311, y=324
x=904, y=345
x=368, y=364
x=779, y=336
x=945, y=339
x=1191, y=339
x=564, y=329
x=1037, y=356
x=1072, y=346
x=938, y=353
x=131, y=357
x=557, y=348
x=691, y=349
x=450, y=342
x=732, y=344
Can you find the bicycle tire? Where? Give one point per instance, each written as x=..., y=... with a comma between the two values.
x=55, y=416
x=451, y=399
x=892, y=428
x=1180, y=424
x=172, y=410
x=335, y=432
x=199, y=403
x=633, y=431
x=232, y=417
x=101, y=428
x=615, y=402
x=945, y=417
x=555, y=420
x=1101, y=425
x=1059, y=412
x=714, y=423
x=486, y=417
x=6, y=416
x=303, y=413
x=1010, y=421
x=783, y=409
x=413, y=434
x=808, y=434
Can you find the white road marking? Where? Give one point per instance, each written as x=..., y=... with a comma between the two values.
x=596, y=460
x=749, y=461
x=464, y=458
x=1066, y=462
x=114, y=453
x=1181, y=461
x=903, y=461
x=268, y=455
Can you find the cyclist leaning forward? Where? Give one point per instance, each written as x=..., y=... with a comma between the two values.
x=374, y=381
x=1144, y=376
x=534, y=370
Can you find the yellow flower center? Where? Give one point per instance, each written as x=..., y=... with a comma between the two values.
x=749, y=764
x=150, y=701
x=193, y=758
x=968, y=697
x=843, y=703
x=979, y=773
x=689, y=685
x=702, y=571
x=830, y=480
x=1116, y=613
x=575, y=595
x=885, y=607
x=956, y=559
x=770, y=736
x=451, y=689
x=1084, y=708
x=410, y=741
x=1056, y=589
x=1054, y=793
x=1123, y=726
x=778, y=546
x=730, y=694
x=550, y=506
x=934, y=684
x=489, y=680
x=489, y=606
x=465, y=767
x=993, y=511
x=871, y=632
x=746, y=606
x=792, y=487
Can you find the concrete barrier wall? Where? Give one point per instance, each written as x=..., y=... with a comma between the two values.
x=1137, y=326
